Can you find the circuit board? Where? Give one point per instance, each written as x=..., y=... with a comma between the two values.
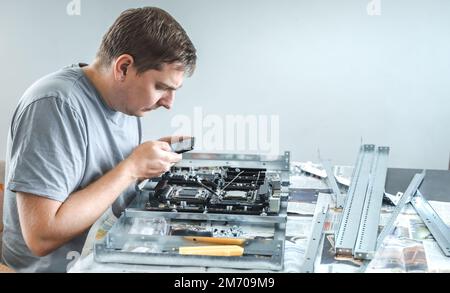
x=227, y=190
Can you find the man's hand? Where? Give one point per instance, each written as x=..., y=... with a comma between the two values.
x=151, y=159
x=174, y=139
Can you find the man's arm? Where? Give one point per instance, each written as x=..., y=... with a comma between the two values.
x=47, y=224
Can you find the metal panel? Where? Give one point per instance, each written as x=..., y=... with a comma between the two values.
x=349, y=225
x=121, y=245
x=315, y=237
x=368, y=227
x=439, y=230
x=171, y=244
x=279, y=163
x=338, y=198
x=406, y=198
x=109, y=255
x=140, y=213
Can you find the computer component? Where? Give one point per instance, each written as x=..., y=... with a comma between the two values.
x=229, y=190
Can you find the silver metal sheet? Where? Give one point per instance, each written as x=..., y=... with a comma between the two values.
x=277, y=163
x=338, y=198
x=171, y=244
x=368, y=227
x=141, y=213
x=271, y=163
x=437, y=227
x=315, y=237
x=124, y=246
x=106, y=255
x=349, y=225
x=406, y=198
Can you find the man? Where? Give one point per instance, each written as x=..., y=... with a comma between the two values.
x=74, y=147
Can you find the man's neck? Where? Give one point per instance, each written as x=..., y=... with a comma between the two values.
x=100, y=79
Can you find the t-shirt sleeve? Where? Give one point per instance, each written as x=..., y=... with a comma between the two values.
x=48, y=150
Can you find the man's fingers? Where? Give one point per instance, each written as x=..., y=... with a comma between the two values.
x=164, y=146
x=174, y=139
x=173, y=157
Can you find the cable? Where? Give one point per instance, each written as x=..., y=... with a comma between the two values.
x=232, y=180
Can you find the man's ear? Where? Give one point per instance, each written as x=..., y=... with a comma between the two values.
x=122, y=67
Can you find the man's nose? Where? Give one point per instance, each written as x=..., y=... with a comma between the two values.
x=167, y=100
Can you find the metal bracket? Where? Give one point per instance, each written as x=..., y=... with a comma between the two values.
x=439, y=230
x=368, y=228
x=141, y=213
x=337, y=196
x=406, y=198
x=349, y=225
x=279, y=163
x=315, y=237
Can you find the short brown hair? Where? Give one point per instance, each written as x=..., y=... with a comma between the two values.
x=152, y=37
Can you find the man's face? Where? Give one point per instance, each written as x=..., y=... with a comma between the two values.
x=150, y=90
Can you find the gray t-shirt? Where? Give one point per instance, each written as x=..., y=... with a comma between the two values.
x=62, y=138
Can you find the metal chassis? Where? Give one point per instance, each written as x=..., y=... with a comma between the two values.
x=279, y=164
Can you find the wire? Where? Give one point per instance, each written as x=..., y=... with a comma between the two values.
x=223, y=189
x=204, y=186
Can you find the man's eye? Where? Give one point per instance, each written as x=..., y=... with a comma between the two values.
x=160, y=88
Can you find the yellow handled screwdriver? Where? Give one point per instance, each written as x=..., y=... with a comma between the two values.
x=213, y=250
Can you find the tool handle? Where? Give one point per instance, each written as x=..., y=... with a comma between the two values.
x=217, y=240
x=215, y=250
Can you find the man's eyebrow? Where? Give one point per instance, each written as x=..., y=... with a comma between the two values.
x=164, y=85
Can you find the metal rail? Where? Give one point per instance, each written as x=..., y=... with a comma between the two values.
x=315, y=237
x=368, y=228
x=439, y=230
x=337, y=196
x=349, y=225
x=141, y=213
x=406, y=198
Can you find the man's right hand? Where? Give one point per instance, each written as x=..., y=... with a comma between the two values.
x=151, y=159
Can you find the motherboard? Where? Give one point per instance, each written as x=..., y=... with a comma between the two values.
x=226, y=190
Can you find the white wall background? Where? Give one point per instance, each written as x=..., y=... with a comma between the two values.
x=330, y=71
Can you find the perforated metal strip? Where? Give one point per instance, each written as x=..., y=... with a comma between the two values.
x=437, y=227
x=368, y=228
x=406, y=198
x=316, y=236
x=351, y=216
x=337, y=197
